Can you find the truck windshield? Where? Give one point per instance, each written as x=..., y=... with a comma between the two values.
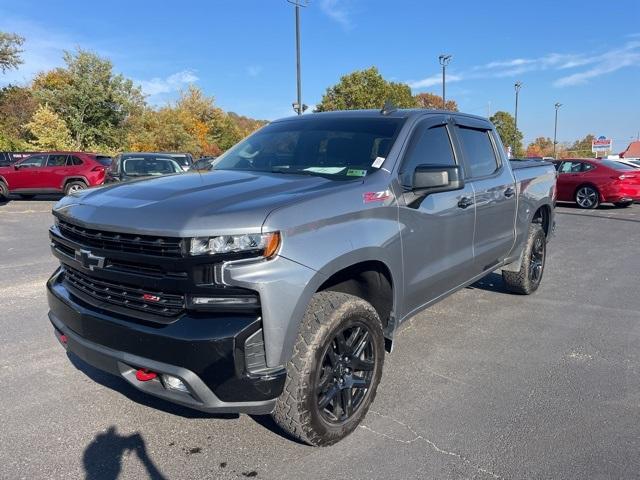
x=339, y=149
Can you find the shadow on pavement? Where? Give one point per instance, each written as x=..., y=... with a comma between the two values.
x=121, y=386
x=102, y=459
x=491, y=283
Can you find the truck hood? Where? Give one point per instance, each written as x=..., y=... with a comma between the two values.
x=219, y=202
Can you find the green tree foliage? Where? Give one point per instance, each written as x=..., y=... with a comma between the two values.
x=10, y=51
x=90, y=98
x=49, y=131
x=509, y=134
x=433, y=101
x=582, y=148
x=365, y=89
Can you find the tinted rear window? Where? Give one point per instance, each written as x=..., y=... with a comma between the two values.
x=106, y=161
x=616, y=165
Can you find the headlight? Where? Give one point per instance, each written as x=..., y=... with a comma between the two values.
x=263, y=244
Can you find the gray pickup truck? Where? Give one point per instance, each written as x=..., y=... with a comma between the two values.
x=276, y=282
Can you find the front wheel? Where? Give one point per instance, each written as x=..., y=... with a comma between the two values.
x=587, y=197
x=622, y=204
x=334, y=371
x=527, y=279
x=4, y=192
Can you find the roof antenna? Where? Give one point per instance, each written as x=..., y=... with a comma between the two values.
x=388, y=108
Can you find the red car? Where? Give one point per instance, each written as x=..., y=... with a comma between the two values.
x=53, y=172
x=590, y=182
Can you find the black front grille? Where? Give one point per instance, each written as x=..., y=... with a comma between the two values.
x=122, y=242
x=125, y=296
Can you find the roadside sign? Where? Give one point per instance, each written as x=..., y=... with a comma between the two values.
x=601, y=144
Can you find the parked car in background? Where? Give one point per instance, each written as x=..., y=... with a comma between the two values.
x=51, y=172
x=9, y=158
x=590, y=182
x=203, y=164
x=185, y=160
x=132, y=166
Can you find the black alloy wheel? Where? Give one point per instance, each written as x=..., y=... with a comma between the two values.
x=346, y=372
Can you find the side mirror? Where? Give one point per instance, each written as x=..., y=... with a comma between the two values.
x=437, y=178
x=16, y=166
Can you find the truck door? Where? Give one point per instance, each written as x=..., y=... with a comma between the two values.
x=494, y=192
x=437, y=229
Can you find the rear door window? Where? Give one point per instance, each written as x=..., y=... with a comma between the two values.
x=478, y=151
x=57, y=160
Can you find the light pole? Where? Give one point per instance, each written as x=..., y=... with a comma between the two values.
x=555, y=129
x=444, y=60
x=517, y=86
x=298, y=107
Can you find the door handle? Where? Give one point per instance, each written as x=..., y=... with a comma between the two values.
x=509, y=192
x=465, y=202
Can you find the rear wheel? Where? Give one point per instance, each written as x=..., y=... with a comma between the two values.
x=334, y=371
x=587, y=197
x=622, y=204
x=4, y=191
x=527, y=279
x=73, y=187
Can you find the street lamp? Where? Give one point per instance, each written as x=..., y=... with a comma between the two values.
x=517, y=86
x=298, y=4
x=555, y=129
x=444, y=60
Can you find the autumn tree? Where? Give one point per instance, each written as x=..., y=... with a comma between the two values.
x=434, y=102
x=540, y=147
x=17, y=106
x=509, y=134
x=365, y=89
x=10, y=51
x=92, y=100
x=49, y=131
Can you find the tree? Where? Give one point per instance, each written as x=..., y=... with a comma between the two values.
x=582, y=148
x=365, y=89
x=17, y=106
x=509, y=134
x=433, y=101
x=49, y=130
x=540, y=147
x=93, y=102
x=10, y=51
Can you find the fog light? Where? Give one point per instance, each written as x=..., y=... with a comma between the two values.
x=174, y=383
x=224, y=300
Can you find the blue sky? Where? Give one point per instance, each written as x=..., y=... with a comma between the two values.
x=584, y=54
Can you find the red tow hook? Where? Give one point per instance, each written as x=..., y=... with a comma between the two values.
x=63, y=338
x=144, y=375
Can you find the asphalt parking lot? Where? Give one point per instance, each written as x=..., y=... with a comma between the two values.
x=483, y=385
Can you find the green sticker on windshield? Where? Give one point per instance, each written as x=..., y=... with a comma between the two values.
x=354, y=172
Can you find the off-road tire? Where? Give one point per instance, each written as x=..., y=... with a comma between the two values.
x=523, y=281
x=297, y=410
x=75, y=185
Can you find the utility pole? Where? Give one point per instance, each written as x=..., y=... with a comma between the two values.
x=444, y=60
x=298, y=105
x=555, y=129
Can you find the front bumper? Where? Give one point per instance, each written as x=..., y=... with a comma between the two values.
x=206, y=354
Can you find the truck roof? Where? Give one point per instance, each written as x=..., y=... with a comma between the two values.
x=399, y=113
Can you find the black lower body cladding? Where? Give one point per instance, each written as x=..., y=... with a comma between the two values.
x=205, y=351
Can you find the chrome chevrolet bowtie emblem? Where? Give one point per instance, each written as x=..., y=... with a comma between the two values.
x=89, y=260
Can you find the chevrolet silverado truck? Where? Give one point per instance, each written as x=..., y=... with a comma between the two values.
x=276, y=282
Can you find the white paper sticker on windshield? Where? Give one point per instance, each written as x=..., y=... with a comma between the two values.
x=377, y=163
x=329, y=170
